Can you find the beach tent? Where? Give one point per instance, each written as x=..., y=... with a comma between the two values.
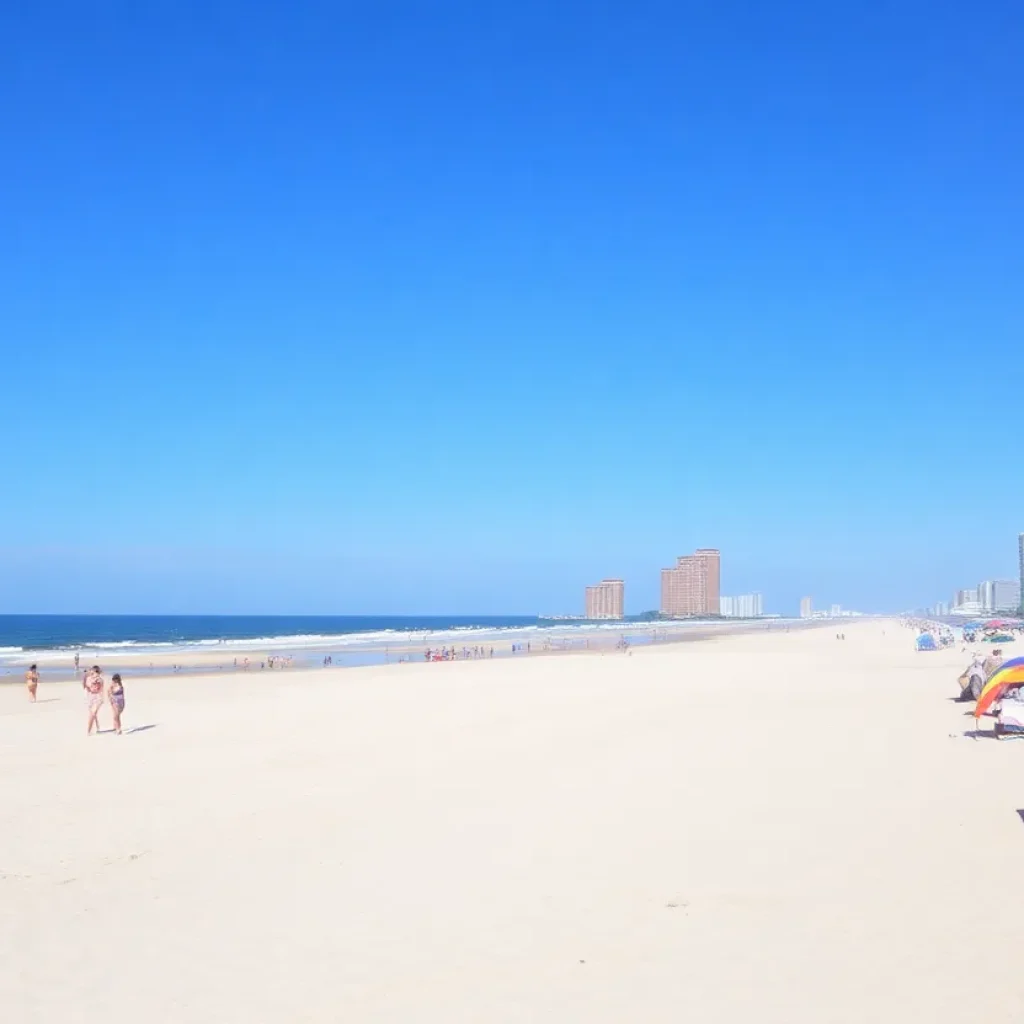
x=1010, y=673
x=926, y=642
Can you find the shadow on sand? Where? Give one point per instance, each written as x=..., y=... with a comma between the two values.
x=978, y=733
x=125, y=732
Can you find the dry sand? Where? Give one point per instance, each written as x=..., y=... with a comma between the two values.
x=779, y=827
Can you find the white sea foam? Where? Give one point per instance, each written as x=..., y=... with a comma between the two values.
x=113, y=645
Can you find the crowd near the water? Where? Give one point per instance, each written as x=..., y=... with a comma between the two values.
x=466, y=654
x=99, y=692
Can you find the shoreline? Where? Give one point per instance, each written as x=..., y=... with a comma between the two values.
x=350, y=651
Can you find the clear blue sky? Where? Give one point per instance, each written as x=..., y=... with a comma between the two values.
x=457, y=306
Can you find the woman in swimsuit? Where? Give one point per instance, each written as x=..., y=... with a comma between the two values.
x=32, y=681
x=93, y=684
x=116, y=697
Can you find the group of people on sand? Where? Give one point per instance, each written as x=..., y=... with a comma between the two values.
x=451, y=654
x=97, y=692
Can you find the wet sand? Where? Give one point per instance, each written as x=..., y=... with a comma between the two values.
x=770, y=827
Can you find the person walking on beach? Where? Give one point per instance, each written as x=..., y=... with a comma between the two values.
x=32, y=682
x=115, y=694
x=76, y=662
x=93, y=686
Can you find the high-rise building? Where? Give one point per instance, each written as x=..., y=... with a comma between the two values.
x=605, y=600
x=986, y=595
x=837, y=610
x=745, y=606
x=1020, y=562
x=1005, y=595
x=806, y=608
x=691, y=586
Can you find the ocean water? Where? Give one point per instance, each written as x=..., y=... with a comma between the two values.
x=24, y=633
x=151, y=643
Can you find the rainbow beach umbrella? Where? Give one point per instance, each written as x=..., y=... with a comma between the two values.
x=1010, y=673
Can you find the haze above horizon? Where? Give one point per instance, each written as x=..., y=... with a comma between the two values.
x=456, y=308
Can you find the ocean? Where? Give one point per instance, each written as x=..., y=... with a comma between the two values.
x=24, y=633
x=193, y=643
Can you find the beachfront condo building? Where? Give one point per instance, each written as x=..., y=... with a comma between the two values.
x=606, y=599
x=1020, y=564
x=806, y=608
x=743, y=606
x=691, y=586
x=1006, y=595
x=999, y=595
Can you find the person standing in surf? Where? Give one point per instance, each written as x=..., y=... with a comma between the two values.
x=32, y=682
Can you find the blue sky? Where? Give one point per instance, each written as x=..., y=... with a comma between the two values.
x=455, y=307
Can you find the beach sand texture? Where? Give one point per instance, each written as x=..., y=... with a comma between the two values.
x=776, y=827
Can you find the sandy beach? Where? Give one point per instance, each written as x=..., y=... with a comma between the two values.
x=767, y=827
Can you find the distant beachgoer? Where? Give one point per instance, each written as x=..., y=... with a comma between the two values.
x=32, y=682
x=76, y=663
x=115, y=694
x=93, y=685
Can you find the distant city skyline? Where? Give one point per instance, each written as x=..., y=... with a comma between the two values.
x=997, y=595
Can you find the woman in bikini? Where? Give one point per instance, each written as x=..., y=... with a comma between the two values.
x=93, y=685
x=115, y=694
x=32, y=682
